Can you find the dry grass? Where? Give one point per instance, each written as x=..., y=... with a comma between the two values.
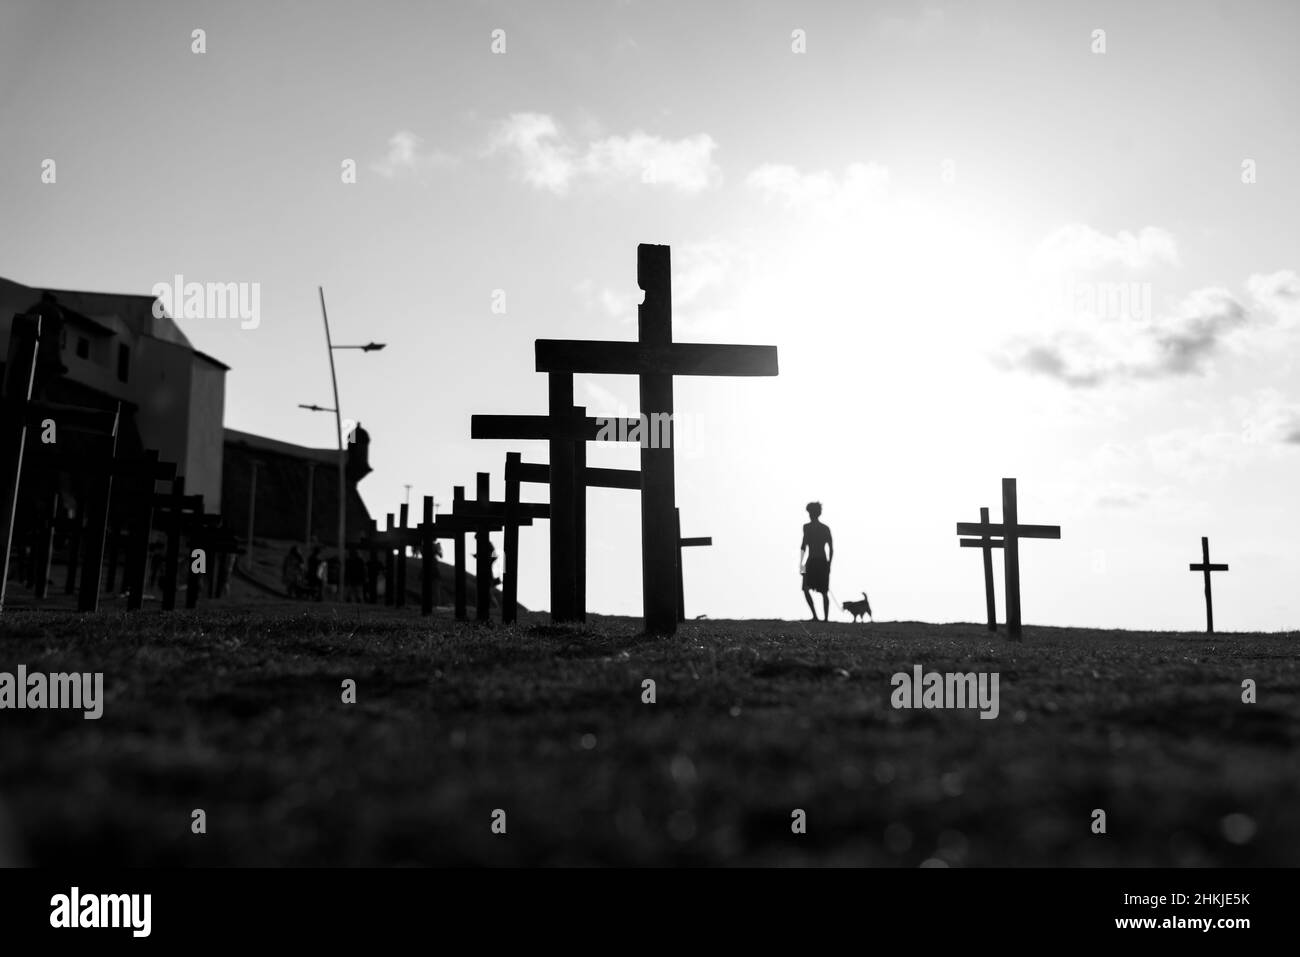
x=238, y=712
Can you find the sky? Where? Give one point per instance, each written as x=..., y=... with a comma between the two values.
x=1048, y=241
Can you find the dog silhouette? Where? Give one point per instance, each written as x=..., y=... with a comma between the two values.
x=858, y=608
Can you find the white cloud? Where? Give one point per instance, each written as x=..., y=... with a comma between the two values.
x=601, y=401
x=550, y=159
x=862, y=183
x=1278, y=293
x=616, y=305
x=1079, y=247
x=1272, y=418
x=1091, y=352
x=698, y=269
x=406, y=156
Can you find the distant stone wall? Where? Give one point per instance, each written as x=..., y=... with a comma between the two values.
x=281, y=506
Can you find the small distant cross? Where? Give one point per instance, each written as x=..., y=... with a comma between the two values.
x=685, y=543
x=1011, y=531
x=987, y=543
x=1206, y=568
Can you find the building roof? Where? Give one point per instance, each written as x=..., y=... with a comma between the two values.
x=261, y=443
x=134, y=312
x=207, y=358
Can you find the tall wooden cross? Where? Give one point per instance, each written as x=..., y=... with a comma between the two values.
x=567, y=428
x=987, y=543
x=1010, y=531
x=1206, y=568
x=655, y=358
x=585, y=477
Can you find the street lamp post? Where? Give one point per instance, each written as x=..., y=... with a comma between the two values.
x=338, y=423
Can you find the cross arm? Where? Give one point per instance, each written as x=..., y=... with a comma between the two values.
x=536, y=473
x=693, y=542
x=634, y=358
x=545, y=427
x=472, y=509
x=1019, y=531
x=981, y=543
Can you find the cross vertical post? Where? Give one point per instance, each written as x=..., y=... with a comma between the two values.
x=139, y=523
x=658, y=474
x=171, y=558
x=990, y=601
x=428, y=560
x=390, y=564
x=457, y=496
x=681, y=585
x=44, y=552
x=483, y=553
x=75, y=525
x=1011, y=556
x=564, y=514
x=510, y=544
x=101, y=498
x=403, y=520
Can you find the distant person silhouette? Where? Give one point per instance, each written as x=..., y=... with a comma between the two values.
x=314, y=573
x=816, y=567
x=291, y=572
x=355, y=573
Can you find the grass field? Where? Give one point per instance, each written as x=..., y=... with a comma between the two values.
x=238, y=711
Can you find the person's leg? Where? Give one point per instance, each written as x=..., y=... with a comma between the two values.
x=807, y=596
x=826, y=605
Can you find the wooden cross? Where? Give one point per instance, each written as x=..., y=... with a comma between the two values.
x=43, y=553
x=987, y=544
x=1206, y=568
x=1010, y=531
x=585, y=477
x=403, y=519
x=176, y=504
x=567, y=428
x=654, y=358
x=390, y=561
x=506, y=516
x=428, y=559
x=444, y=526
x=684, y=543
x=217, y=541
x=136, y=499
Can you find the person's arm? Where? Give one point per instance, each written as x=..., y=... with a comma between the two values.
x=803, y=544
x=830, y=547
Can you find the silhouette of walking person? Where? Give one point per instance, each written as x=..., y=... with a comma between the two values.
x=816, y=567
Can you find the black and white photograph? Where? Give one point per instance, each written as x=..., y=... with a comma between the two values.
x=648, y=435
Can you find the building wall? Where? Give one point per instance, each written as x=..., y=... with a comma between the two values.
x=160, y=386
x=204, y=456
x=281, y=507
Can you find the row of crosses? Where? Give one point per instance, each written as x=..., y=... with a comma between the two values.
x=1006, y=535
